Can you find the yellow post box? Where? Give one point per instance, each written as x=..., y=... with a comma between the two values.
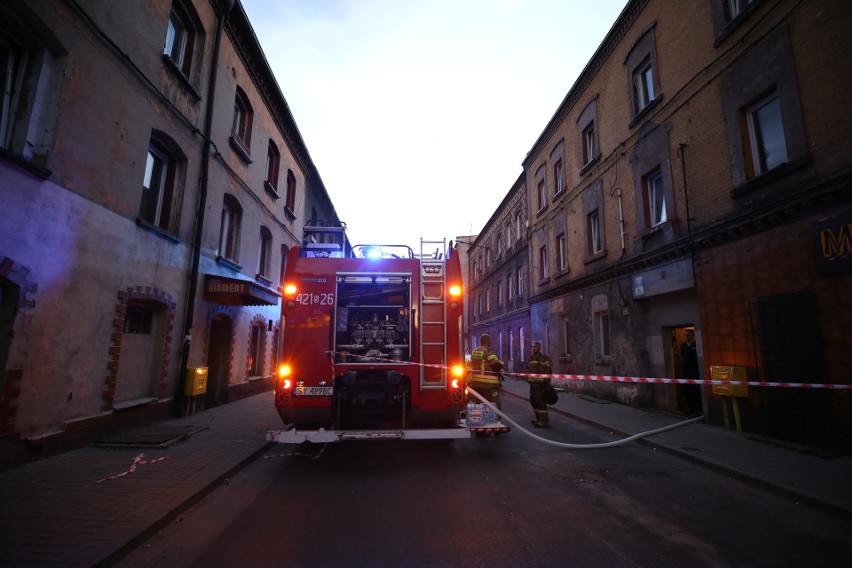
x=196, y=381
x=729, y=373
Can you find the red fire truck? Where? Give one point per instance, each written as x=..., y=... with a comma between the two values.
x=372, y=341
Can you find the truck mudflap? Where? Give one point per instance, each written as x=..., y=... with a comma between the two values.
x=323, y=436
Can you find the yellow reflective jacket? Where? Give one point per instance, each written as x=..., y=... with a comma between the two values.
x=539, y=364
x=484, y=366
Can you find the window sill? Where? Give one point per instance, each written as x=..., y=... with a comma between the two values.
x=149, y=226
x=595, y=257
x=541, y=210
x=584, y=169
x=645, y=111
x=771, y=176
x=543, y=281
x=607, y=360
x=289, y=213
x=263, y=280
x=228, y=263
x=172, y=66
x=241, y=150
x=270, y=189
x=732, y=26
x=20, y=161
x=566, y=358
x=562, y=273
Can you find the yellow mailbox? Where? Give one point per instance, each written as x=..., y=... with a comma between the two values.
x=196, y=381
x=729, y=373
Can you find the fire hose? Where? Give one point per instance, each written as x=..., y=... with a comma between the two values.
x=568, y=446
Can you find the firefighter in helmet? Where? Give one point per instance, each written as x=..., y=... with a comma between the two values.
x=485, y=370
x=540, y=389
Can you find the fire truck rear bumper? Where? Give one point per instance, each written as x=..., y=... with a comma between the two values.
x=321, y=436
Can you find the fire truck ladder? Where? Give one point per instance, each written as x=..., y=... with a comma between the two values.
x=433, y=325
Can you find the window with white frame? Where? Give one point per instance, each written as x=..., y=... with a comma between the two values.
x=264, y=253
x=520, y=282
x=510, y=289
x=587, y=127
x=767, y=146
x=566, y=337
x=500, y=293
x=511, y=344
x=518, y=226
x=589, y=143
x=594, y=238
x=559, y=177
x=734, y=8
x=499, y=247
x=229, y=229
x=488, y=299
x=257, y=341
x=643, y=79
x=273, y=164
x=522, y=344
x=541, y=188
x=542, y=263
x=158, y=187
x=500, y=345
x=562, y=252
x=180, y=38
x=31, y=74
x=508, y=236
x=291, y=192
x=242, y=122
x=643, y=85
x=481, y=307
x=655, y=198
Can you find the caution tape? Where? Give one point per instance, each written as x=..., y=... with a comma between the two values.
x=137, y=461
x=643, y=380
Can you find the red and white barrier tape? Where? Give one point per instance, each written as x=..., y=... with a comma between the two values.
x=138, y=460
x=646, y=380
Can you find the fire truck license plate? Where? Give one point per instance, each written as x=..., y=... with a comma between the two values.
x=313, y=391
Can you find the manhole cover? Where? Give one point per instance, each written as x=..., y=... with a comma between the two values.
x=148, y=437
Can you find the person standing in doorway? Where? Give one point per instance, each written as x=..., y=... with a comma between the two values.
x=539, y=364
x=689, y=370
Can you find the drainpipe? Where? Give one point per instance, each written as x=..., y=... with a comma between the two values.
x=681, y=151
x=224, y=9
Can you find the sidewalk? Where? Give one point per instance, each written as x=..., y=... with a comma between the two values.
x=54, y=512
x=820, y=482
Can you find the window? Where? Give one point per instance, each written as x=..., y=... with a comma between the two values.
x=508, y=236
x=229, y=230
x=767, y=148
x=499, y=247
x=264, y=253
x=500, y=345
x=500, y=293
x=594, y=237
x=509, y=287
x=734, y=8
x=276, y=346
x=521, y=340
x=518, y=226
x=241, y=126
x=589, y=143
x=158, y=188
x=562, y=252
x=180, y=39
x=602, y=339
x=31, y=73
x=481, y=310
x=643, y=79
x=559, y=177
x=520, y=282
x=137, y=320
x=291, y=192
x=541, y=188
x=587, y=127
x=273, y=164
x=256, y=348
x=488, y=299
x=542, y=263
x=764, y=126
x=643, y=85
x=566, y=336
x=511, y=343
x=655, y=198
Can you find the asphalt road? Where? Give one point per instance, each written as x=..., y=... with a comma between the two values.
x=494, y=502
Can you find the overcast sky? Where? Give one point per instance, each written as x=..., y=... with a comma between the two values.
x=418, y=113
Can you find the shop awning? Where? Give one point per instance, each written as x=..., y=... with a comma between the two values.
x=235, y=292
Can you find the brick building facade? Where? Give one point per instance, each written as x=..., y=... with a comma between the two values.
x=697, y=177
x=152, y=179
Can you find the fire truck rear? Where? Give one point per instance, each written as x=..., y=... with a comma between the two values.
x=372, y=342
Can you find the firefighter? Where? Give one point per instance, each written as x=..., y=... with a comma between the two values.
x=485, y=372
x=540, y=388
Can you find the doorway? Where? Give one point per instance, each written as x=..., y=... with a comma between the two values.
x=685, y=365
x=218, y=360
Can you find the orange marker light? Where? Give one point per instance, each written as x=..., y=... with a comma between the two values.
x=455, y=290
x=285, y=371
x=458, y=370
x=455, y=383
x=289, y=289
